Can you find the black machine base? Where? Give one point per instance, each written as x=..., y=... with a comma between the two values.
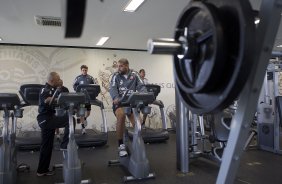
x=124, y=161
x=29, y=140
x=92, y=138
x=150, y=135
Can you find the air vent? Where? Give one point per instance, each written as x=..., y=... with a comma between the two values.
x=48, y=21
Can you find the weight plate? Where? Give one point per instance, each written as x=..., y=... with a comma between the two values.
x=200, y=68
x=221, y=76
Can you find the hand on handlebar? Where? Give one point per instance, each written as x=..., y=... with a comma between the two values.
x=47, y=100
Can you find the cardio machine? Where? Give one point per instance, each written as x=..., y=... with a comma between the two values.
x=136, y=162
x=10, y=104
x=151, y=135
x=209, y=145
x=93, y=137
x=71, y=103
x=30, y=140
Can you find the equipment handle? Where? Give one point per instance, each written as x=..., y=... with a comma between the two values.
x=164, y=46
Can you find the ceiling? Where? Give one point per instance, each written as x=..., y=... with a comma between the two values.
x=154, y=19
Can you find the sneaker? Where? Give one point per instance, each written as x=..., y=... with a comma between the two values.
x=49, y=173
x=122, y=150
x=83, y=131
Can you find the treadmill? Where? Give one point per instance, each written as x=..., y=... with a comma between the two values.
x=29, y=140
x=151, y=135
x=93, y=137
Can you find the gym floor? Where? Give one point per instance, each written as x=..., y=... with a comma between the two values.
x=258, y=167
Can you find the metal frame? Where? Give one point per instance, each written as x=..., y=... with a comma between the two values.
x=265, y=113
x=182, y=134
x=271, y=142
x=270, y=14
x=277, y=128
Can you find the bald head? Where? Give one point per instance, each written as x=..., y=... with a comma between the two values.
x=53, y=79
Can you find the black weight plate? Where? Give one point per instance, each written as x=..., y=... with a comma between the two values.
x=202, y=66
x=237, y=22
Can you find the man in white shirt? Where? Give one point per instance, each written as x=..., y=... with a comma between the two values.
x=142, y=74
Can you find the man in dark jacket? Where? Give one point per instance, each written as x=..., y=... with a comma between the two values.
x=48, y=122
x=84, y=78
x=124, y=81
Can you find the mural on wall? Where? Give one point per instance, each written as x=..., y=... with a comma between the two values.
x=31, y=65
x=105, y=76
x=22, y=65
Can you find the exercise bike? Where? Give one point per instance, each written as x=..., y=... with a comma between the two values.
x=10, y=104
x=136, y=162
x=71, y=103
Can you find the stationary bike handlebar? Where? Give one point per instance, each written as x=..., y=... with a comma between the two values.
x=66, y=99
x=71, y=101
x=137, y=98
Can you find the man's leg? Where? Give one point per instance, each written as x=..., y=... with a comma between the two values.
x=120, y=124
x=144, y=120
x=131, y=119
x=63, y=122
x=84, y=123
x=57, y=132
x=47, y=136
x=83, y=120
x=120, y=131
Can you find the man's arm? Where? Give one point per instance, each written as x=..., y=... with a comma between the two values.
x=44, y=96
x=146, y=81
x=92, y=81
x=114, y=89
x=75, y=83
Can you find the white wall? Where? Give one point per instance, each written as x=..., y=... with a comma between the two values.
x=24, y=65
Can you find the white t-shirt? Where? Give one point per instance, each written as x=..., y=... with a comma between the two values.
x=146, y=81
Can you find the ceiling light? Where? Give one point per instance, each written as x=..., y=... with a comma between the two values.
x=1, y=39
x=257, y=20
x=133, y=5
x=102, y=41
x=280, y=46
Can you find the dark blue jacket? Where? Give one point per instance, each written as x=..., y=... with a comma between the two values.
x=83, y=79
